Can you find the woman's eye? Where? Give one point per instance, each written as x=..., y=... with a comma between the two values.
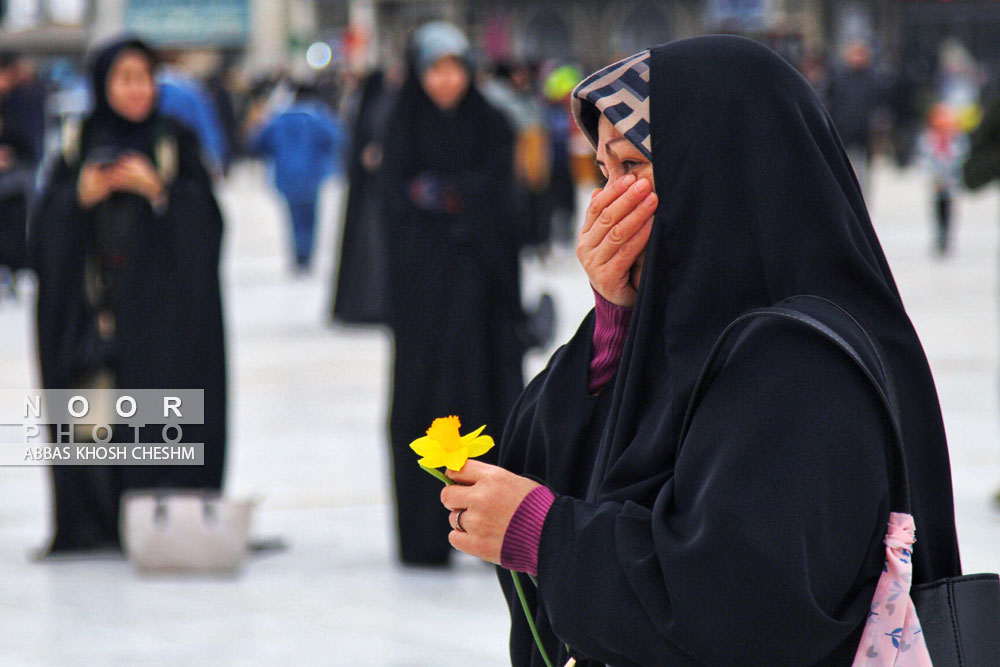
x=629, y=165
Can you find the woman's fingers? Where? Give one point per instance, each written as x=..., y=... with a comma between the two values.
x=603, y=197
x=469, y=473
x=619, y=243
x=475, y=544
x=613, y=238
x=615, y=211
x=456, y=496
x=615, y=227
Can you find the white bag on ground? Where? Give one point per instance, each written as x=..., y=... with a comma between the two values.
x=184, y=531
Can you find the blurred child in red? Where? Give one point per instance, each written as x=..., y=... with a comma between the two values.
x=943, y=147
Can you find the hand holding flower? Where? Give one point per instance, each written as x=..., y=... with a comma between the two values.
x=482, y=498
x=489, y=495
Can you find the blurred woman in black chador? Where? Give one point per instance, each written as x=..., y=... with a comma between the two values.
x=754, y=536
x=22, y=120
x=125, y=237
x=454, y=288
x=360, y=286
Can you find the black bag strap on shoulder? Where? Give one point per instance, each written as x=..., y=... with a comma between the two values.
x=899, y=487
x=959, y=616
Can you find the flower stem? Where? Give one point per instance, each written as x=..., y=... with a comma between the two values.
x=517, y=582
x=530, y=618
x=436, y=473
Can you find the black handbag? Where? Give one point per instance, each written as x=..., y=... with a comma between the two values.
x=959, y=616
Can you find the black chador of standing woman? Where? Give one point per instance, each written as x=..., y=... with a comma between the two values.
x=455, y=295
x=125, y=238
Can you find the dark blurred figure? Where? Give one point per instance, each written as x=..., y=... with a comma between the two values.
x=221, y=90
x=24, y=101
x=455, y=288
x=253, y=111
x=303, y=143
x=905, y=100
x=852, y=97
x=512, y=90
x=330, y=83
x=362, y=278
x=125, y=238
x=982, y=166
x=22, y=129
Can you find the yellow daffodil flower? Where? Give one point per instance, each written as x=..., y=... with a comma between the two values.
x=443, y=446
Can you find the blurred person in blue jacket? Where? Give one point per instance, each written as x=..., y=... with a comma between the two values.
x=303, y=142
x=187, y=100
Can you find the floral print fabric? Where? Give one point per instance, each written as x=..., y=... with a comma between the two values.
x=892, y=636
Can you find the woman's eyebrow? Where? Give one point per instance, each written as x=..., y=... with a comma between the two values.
x=607, y=148
x=607, y=145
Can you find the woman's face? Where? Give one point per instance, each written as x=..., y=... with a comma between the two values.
x=618, y=157
x=446, y=82
x=130, y=88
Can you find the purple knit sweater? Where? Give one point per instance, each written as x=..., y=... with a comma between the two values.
x=520, y=541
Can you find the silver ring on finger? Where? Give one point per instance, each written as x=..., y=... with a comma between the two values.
x=458, y=521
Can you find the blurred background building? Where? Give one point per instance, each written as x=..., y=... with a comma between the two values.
x=917, y=52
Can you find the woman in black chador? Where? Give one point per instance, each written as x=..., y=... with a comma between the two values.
x=125, y=239
x=455, y=296
x=754, y=536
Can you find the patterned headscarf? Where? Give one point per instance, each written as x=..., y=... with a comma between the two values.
x=620, y=92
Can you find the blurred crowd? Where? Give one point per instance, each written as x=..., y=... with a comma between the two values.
x=456, y=168
x=915, y=110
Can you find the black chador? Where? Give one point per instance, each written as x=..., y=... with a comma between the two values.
x=761, y=542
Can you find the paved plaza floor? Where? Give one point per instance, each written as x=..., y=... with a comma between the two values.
x=308, y=415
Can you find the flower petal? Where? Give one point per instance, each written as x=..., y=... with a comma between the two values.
x=469, y=437
x=480, y=446
x=456, y=459
x=431, y=462
x=424, y=446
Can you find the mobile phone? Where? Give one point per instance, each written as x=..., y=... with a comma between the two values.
x=104, y=156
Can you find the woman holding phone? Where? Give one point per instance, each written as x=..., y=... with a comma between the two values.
x=125, y=238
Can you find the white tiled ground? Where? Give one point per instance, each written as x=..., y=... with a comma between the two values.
x=308, y=410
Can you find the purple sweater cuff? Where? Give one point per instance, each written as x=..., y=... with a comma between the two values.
x=520, y=543
x=610, y=331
